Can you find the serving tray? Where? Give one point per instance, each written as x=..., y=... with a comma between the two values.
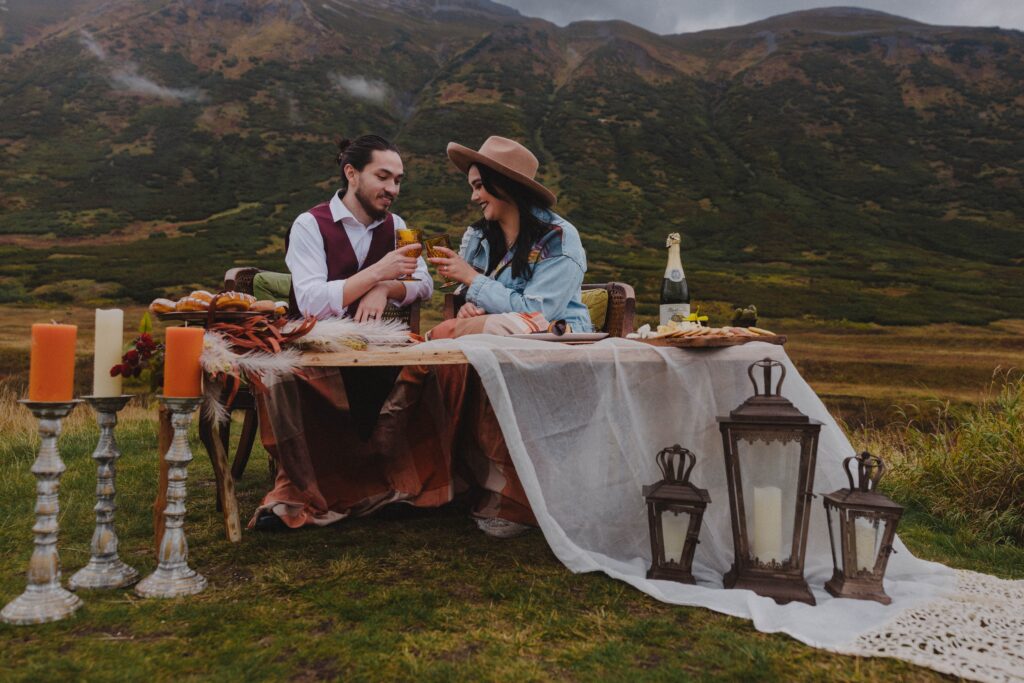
x=203, y=316
x=708, y=341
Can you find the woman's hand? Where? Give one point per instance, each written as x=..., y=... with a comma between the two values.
x=452, y=266
x=470, y=310
x=371, y=306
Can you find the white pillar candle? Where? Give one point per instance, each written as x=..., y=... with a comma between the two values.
x=767, y=541
x=109, y=341
x=674, y=526
x=864, y=536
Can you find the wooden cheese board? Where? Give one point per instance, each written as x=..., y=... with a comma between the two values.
x=711, y=341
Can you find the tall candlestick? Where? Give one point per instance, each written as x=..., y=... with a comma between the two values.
x=44, y=599
x=109, y=340
x=864, y=536
x=767, y=541
x=51, y=375
x=183, y=377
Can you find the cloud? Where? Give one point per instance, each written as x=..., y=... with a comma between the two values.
x=124, y=75
x=127, y=78
x=94, y=48
x=362, y=88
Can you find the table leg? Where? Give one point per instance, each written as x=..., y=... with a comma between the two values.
x=210, y=432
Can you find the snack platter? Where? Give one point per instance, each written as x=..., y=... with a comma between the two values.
x=712, y=340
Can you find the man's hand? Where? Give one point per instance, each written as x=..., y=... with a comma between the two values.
x=371, y=306
x=453, y=267
x=469, y=310
x=396, y=264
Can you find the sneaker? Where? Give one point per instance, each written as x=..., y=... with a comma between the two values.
x=497, y=527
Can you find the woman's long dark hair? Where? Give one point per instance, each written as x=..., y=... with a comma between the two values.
x=531, y=228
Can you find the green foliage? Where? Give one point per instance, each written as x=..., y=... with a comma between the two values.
x=965, y=466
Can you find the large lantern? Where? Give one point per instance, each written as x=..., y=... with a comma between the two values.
x=675, y=508
x=861, y=527
x=770, y=450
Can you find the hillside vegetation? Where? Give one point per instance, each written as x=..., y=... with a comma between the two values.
x=839, y=163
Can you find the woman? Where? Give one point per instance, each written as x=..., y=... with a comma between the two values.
x=519, y=267
x=520, y=258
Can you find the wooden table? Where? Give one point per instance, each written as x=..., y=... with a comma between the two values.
x=210, y=430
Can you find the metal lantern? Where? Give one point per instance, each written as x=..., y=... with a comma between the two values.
x=675, y=508
x=861, y=527
x=770, y=451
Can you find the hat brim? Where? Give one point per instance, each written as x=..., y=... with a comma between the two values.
x=463, y=157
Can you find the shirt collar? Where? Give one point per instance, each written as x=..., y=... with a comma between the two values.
x=341, y=214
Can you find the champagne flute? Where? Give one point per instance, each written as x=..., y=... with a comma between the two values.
x=432, y=243
x=403, y=238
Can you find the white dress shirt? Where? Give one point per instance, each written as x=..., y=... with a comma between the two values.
x=307, y=262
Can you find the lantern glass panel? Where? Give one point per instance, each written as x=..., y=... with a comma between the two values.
x=674, y=526
x=770, y=475
x=867, y=539
x=835, y=536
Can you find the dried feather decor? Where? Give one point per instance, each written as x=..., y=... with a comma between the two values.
x=232, y=353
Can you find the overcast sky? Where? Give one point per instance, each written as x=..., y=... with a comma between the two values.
x=684, y=16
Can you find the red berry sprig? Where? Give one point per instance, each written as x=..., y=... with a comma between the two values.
x=135, y=360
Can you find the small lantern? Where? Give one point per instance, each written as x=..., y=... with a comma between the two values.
x=769, y=490
x=675, y=508
x=861, y=527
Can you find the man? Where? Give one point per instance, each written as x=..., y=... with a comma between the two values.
x=341, y=254
x=318, y=427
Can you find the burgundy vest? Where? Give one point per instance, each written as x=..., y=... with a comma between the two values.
x=341, y=258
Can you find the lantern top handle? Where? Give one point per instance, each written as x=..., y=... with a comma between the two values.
x=767, y=364
x=870, y=469
x=676, y=463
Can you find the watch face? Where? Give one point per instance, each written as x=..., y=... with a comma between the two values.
x=675, y=275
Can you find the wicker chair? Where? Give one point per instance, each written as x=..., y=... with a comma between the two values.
x=240, y=280
x=621, y=307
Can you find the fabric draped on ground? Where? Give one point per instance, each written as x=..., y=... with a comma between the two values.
x=582, y=431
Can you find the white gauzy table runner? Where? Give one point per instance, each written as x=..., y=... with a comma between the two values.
x=583, y=425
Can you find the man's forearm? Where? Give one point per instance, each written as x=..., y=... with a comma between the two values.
x=359, y=284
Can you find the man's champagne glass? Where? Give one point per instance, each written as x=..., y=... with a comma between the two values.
x=403, y=238
x=432, y=243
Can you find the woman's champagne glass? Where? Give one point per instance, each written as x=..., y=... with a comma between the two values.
x=403, y=238
x=432, y=243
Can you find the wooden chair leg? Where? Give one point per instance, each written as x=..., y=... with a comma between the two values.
x=226, y=488
x=245, y=442
x=211, y=443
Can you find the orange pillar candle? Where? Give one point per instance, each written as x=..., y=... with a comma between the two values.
x=182, y=373
x=51, y=374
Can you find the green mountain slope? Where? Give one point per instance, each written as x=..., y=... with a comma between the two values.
x=837, y=162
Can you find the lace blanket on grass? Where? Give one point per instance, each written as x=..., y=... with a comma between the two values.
x=583, y=426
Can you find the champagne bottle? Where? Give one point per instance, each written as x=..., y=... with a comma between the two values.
x=675, y=295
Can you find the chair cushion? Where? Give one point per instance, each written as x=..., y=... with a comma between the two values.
x=596, y=301
x=271, y=286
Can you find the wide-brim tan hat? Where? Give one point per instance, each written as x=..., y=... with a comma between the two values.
x=508, y=158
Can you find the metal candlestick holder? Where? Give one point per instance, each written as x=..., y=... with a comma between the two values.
x=44, y=599
x=105, y=568
x=173, y=577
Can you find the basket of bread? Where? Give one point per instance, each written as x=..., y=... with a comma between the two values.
x=201, y=306
x=687, y=334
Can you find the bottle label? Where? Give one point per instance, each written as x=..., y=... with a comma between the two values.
x=666, y=311
x=674, y=274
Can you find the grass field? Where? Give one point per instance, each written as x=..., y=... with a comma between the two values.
x=425, y=595
x=422, y=596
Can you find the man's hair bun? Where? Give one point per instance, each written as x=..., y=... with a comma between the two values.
x=343, y=144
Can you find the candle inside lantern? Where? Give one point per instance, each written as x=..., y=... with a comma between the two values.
x=864, y=536
x=183, y=377
x=767, y=541
x=51, y=374
x=674, y=526
x=109, y=340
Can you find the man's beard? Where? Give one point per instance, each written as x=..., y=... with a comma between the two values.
x=367, y=204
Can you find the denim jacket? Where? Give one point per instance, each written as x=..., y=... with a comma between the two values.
x=558, y=262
